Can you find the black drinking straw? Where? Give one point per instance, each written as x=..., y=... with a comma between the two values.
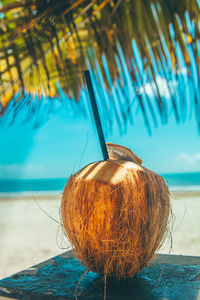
x=96, y=115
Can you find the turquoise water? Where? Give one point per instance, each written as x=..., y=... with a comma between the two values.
x=8, y=187
x=42, y=186
x=183, y=181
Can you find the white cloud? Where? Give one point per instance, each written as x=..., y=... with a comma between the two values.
x=189, y=159
x=165, y=88
x=183, y=71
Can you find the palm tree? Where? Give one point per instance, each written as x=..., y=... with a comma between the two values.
x=132, y=44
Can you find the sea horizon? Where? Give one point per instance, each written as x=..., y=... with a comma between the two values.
x=181, y=182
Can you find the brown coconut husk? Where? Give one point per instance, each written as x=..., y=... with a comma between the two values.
x=115, y=214
x=118, y=152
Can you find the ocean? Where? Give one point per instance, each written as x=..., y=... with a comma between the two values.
x=14, y=187
x=183, y=181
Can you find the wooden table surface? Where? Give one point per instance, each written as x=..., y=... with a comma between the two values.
x=169, y=277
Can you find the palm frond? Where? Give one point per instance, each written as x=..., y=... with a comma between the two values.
x=143, y=54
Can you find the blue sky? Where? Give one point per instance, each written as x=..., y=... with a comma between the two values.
x=66, y=142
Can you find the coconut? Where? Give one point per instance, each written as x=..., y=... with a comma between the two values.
x=115, y=214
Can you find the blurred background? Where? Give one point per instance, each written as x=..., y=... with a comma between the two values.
x=143, y=57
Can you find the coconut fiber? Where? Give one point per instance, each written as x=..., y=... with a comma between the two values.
x=115, y=214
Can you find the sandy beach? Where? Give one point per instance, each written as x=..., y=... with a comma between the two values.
x=29, y=235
